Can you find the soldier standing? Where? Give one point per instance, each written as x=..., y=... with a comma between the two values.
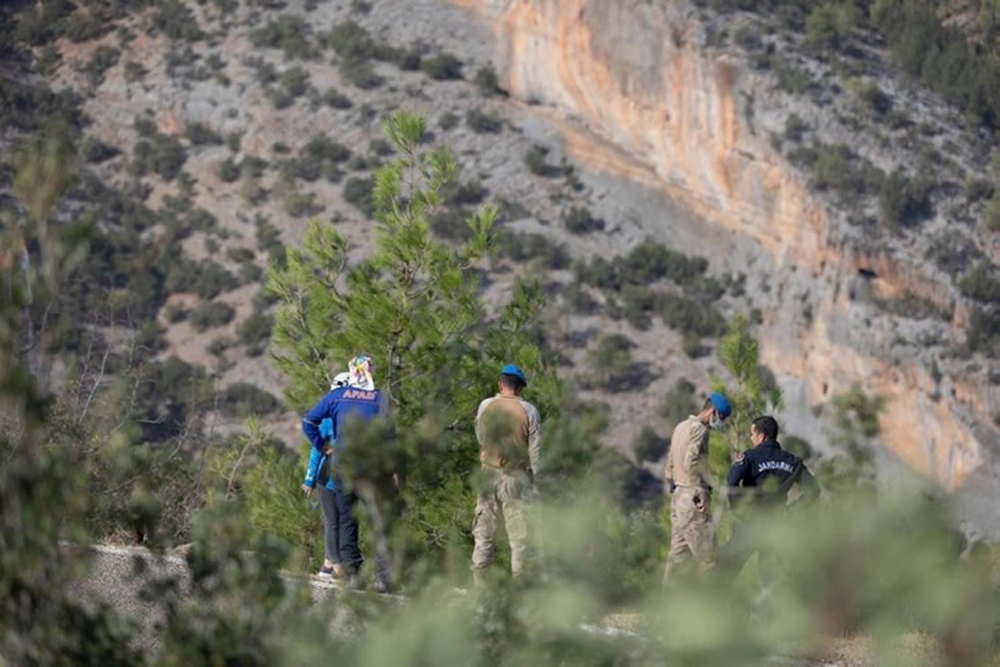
x=692, y=533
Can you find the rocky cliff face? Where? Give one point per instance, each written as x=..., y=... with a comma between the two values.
x=634, y=77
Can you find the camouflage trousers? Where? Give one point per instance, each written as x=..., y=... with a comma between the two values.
x=691, y=532
x=508, y=493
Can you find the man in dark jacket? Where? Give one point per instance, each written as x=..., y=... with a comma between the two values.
x=766, y=471
x=763, y=475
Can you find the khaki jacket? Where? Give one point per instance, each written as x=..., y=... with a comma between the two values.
x=508, y=430
x=688, y=451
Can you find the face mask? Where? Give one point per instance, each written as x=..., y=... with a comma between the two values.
x=715, y=423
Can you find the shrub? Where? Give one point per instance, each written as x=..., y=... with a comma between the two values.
x=486, y=80
x=612, y=367
x=176, y=21
x=448, y=120
x=452, y=224
x=579, y=220
x=210, y=314
x=977, y=189
x=983, y=332
x=993, y=212
x=579, y=299
x=200, y=134
x=337, y=100
x=254, y=332
x=233, y=140
x=358, y=193
x=219, y=345
x=522, y=247
x=536, y=159
x=104, y=58
x=164, y=156
x=96, y=151
x=874, y=98
x=288, y=33
x=649, y=446
x=360, y=74
x=902, y=202
x=687, y=316
x=175, y=313
x=212, y=279
x=483, y=123
x=242, y=399
x=298, y=204
x=981, y=284
x=795, y=128
x=227, y=171
x=240, y=255
x=679, y=402
x=829, y=23
x=442, y=67
x=351, y=41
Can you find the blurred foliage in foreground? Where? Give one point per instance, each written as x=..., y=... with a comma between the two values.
x=881, y=565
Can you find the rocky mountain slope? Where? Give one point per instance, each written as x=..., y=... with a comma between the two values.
x=834, y=199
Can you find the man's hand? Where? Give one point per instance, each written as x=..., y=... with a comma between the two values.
x=306, y=489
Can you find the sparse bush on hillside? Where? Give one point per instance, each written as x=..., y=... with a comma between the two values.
x=442, y=67
x=981, y=284
x=448, y=120
x=212, y=279
x=210, y=314
x=468, y=193
x=298, y=204
x=679, y=403
x=536, y=159
x=451, y=224
x=829, y=24
x=993, y=212
x=104, y=58
x=134, y=72
x=579, y=220
x=360, y=74
x=336, y=100
x=579, y=300
x=176, y=21
x=200, y=134
x=95, y=151
x=903, y=202
x=839, y=169
x=690, y=317
x=486, y=80
x=227, y=171
x=288, y=33
x=983, y=332
x=612, y=367
x=649, y=446
x=873, y=97
x=522, y=247
x=242, y=399
x=163, y=156
x=977, y=189
x=483, y=123
x=795, y=128
x=255, y=332
x=358, y=193
x=637, y=305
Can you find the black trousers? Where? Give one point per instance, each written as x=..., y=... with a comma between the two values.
x=350, y=553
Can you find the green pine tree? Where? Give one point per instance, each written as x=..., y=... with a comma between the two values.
x=414, y=306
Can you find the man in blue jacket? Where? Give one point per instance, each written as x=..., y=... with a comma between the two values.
x=359, y=400
x=318, y=473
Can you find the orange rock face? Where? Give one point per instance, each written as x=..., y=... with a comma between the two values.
x=640, y=98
